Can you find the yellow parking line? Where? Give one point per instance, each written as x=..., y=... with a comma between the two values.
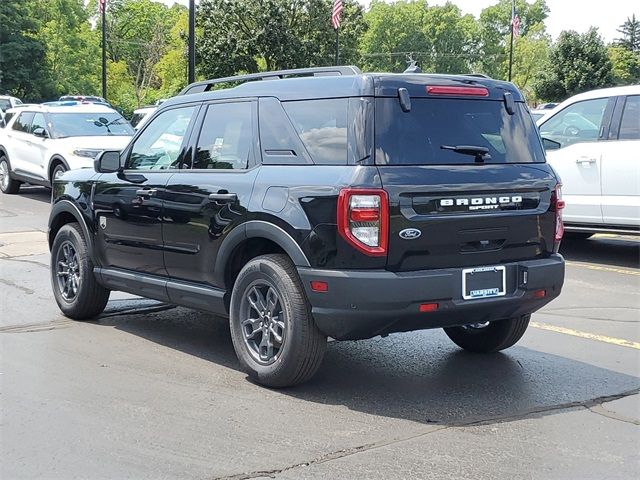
x=604, y=269
x=591, y=336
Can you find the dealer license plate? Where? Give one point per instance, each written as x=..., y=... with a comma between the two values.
x=483, y=282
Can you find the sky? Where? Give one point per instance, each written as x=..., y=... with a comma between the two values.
x=577, y=15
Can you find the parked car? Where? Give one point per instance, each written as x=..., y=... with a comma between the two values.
x=7, y=102
x=141, y=115
x=322, y=203
x=547, y=106
x=40, y=142
x=592, y=141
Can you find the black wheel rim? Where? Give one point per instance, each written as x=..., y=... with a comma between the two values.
x=67, y=271
x=262, y=322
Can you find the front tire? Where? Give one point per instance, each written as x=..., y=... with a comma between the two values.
x=58, y=170
x=274, y=335
x=493, y=337
x=7, y=184
x=75, y=288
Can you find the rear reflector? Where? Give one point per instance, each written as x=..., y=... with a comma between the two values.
x=428, y=307
x=453, y=90
x=540, y=294
x=318, y=286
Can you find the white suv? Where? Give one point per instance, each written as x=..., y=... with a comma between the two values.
x=593, y=141
x=40, y=142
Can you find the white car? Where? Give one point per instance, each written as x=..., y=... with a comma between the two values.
x=593, y=141
x=141, y=115
x=7, y=102
x=40, y=142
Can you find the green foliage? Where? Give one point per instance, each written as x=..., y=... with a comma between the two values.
x=251, y=35
x=626, y=65
x=630, y=31
x=72, y=47
x=23, y=70
x=495, y=32
x=577, y=63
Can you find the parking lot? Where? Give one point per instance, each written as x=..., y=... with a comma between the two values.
x=154, y=391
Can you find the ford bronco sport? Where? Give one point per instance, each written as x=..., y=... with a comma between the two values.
x=324, y=202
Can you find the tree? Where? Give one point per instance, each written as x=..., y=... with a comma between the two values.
x=252, y=35
x=630, y=31
x=23, y=70
x=577, y=63
x=72, y=47
x=495, y=29
x=530, y=55
x=626, y=66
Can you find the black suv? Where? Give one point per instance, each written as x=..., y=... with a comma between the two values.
x=315, y=203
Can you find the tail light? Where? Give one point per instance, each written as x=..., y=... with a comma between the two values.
x=363, y=219
x=456, y=90
x=558, y=205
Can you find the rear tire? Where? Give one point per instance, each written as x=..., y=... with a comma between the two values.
x=494, y=337
x=271, y=281
x=75, y=288
x=7, y=184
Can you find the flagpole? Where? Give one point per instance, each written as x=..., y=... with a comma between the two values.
x=513, y=9
x=104, y=50
x=191, y=74
x=337, y=46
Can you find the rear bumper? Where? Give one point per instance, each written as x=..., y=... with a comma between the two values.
x=361, y=304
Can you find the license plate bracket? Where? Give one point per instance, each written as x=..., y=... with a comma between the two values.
x=484, y=282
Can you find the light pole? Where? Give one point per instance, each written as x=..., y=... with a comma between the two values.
x=192, y=42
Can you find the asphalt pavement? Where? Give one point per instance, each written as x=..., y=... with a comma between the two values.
x=154, y=391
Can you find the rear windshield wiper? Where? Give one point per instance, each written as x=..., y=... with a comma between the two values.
x=480, y=153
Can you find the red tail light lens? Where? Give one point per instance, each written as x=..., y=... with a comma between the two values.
x=558, y=204
x=363, y=219
x=454, y=90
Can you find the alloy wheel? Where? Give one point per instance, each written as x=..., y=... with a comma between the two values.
x=4, y=175
x=262, y=321
x=68, y=271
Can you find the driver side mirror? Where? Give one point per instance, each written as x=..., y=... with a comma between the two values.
x=40, y=132
x=549, y=144
x=107, y=162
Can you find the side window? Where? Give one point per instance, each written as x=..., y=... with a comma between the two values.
x=226, y=137
x=577, y=123
x=159, y=147
x=38, y=122
x=630, y=123
x=322, y=127
x=23, y=122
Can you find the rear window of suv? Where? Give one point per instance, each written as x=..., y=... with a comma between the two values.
x=416, y=137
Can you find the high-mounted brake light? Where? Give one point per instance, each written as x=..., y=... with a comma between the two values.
x=558, y=204
x=455, y=90
x=363, y=219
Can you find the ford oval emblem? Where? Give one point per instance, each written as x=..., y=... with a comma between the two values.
x=410, y=233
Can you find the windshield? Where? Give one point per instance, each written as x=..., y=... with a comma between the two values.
x=86, y=124
x=4, y=104
x=417, y=137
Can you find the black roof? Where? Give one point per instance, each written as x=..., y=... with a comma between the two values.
x=337, y=86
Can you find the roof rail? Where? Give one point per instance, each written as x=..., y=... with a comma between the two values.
x=481, y=75
x=206, y=85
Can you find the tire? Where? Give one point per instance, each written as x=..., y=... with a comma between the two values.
x=298, y=356
x=493, y=337
x=59, y=169
x=69, y=254
x=7, y=184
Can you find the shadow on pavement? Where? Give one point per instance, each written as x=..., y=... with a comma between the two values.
x=611, y=251
x=419, y=376
x=41, y=194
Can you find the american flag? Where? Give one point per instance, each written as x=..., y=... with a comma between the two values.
x=515, y=21
x=336, y=13
x=102, y=5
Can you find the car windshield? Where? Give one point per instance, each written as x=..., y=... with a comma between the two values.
x=4, y=104
x=451, y=131
x=88, y=124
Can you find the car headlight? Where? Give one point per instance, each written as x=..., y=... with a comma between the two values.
x=86, y=152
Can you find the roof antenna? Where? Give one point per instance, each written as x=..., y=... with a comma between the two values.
x=413, y=65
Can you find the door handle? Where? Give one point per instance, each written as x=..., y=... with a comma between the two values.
x=585, y=160
x=223, y=197
x=146, y=192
